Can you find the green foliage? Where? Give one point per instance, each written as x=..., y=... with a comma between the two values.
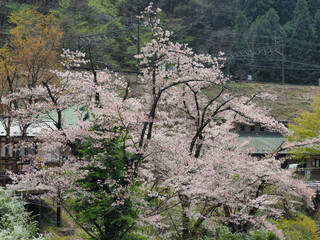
x=302, y=22
x=54, y=236
x=225, y=234
x=264, y=25
x=267, y=24
x=105, y=205
x=300, y=227
x=241, y=24
x=287, y=22
x=241, y=28
x=317, y=24
x=205, y=25
x=314, y=6
x=284, y=9
x=255, y=8
x=306, y=126
x=15, y=222
x=115, y=48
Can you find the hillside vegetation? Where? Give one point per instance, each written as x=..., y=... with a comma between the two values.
x=291, y=100
x=260, y=38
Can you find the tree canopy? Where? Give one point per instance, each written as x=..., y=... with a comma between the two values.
x=111, y=30
x=167, y=160
x=307, y=127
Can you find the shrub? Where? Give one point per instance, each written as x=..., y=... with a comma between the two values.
x=15, y=222
x=225, y=234
x=299, y=227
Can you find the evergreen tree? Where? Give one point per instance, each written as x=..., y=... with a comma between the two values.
x=302, y=22
x=106, y=211
x=285, y=9
x=191, y=21
x=115, y=48
x=265, y=31
x=241, y=27
x=314, y=6
x=317, y=25
x=255, y=8
x=241, y=43
x=267, y=25
x=300, y=30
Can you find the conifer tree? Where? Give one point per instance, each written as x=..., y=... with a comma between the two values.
x=314, y=6
x=254, y=8
x=317, y=25
x=240, y=30
x=302, y=22
x=241, y=27
x=300, y=30
x=285, y=10
x=266, y=25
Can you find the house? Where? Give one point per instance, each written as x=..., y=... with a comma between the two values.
x=260, y=141
x=12, y=158
x=16, y=159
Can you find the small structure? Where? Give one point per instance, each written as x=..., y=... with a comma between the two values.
x=12, y=158
x=260, y=141
x=311, y=170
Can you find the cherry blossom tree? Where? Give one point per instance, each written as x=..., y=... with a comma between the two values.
x=179, y=145
x=196, y=170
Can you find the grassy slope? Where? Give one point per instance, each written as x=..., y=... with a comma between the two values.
x=69, y=230
x=291, y=100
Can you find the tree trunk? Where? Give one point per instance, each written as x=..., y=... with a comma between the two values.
x=185, y=204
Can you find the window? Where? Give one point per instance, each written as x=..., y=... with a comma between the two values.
x=252, y=128
x=317, y=163
x=261, y=129
x=242, y=128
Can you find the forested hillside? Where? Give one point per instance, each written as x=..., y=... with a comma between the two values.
x=271, y=40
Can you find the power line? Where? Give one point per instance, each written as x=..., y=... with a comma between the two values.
x=276, y=67
x=253, y=51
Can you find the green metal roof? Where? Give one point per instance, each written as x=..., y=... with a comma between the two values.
x=69, y=116
x=262, y=142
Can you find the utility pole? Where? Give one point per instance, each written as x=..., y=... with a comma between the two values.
x=283, y=60
x=282, y=63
